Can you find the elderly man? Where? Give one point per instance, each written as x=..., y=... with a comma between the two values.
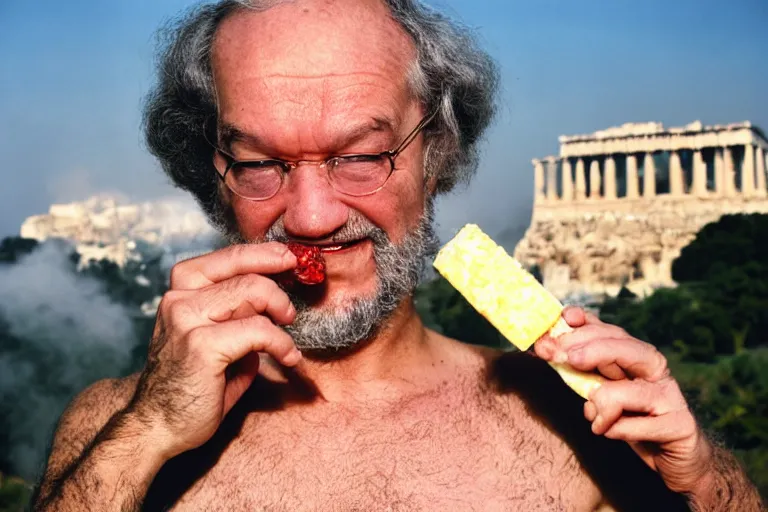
x=334, y=123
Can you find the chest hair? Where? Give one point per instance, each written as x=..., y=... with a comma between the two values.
x=460, y=449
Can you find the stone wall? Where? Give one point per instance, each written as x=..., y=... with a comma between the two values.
x=596, y=249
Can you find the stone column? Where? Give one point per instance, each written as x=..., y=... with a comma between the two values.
x=699, y=184
x=649, y=176
x=551, y=179
x=594, y=180
x=748, y=171
x=632, y=184
x=538, y=181
x=610, y=177
x=760, y=164
x=729, y=172
x=676, y=182
x=581, y=180
x=567, y=177
x=719, y=172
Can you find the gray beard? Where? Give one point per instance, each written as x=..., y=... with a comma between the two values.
x=399, y=269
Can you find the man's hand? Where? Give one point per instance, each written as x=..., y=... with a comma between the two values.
x=219, y=313
x=640, y=403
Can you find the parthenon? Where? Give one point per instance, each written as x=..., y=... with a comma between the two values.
x=617, y=206
x=643, y=160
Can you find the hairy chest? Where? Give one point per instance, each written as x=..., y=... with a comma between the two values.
x=446, y=458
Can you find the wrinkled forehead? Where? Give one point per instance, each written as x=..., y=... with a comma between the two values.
x=309, y=51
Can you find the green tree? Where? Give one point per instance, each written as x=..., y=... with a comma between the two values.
x=14, y=247
x=732, y=241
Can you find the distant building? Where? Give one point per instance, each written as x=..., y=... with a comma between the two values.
x=616, y=206
x=103, y=227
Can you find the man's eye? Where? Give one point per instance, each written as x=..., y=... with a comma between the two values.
x=251, y=172
x=359, y=159
x=256, y=166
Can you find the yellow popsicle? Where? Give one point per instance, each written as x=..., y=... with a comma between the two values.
x=507, y=295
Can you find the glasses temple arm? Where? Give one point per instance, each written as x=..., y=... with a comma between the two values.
x=414, y=133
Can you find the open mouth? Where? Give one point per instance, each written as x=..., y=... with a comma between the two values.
x=339, y=247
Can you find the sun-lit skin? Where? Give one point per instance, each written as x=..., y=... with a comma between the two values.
x=299, y=95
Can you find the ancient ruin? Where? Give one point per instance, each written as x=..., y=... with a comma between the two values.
x=616, y=206
x=105, y=227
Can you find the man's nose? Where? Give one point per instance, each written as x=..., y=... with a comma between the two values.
x=313, y=208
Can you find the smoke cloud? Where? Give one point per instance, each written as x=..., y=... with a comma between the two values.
x=59, y=333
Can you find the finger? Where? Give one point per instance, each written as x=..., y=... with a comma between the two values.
x=611, y=371
x=590, y=411
x=577, y=337
x=637, y=358
x=670, y=427
x=589, y=332
x=202, y=271
x=574, y=316
x=240, y=295
x=613, y=399
x=545, y=348
x=227, y=342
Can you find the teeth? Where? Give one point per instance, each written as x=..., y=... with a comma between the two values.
x=336, y=247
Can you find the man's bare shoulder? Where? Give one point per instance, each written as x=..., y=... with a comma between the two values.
x=85, y=416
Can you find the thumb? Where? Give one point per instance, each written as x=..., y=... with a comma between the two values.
x=574, y=316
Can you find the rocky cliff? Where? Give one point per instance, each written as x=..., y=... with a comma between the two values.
x=596, y=247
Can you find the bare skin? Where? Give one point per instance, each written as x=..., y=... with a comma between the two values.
x=228, y=415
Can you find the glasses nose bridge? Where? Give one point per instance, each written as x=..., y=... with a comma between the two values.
x=320, y=164
x=293, y=165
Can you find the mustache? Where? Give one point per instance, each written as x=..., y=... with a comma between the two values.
x=356, y=228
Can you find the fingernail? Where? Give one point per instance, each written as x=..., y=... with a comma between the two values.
x=293, y=357
x=560, y=357
x=597, y=424
x=576, y=356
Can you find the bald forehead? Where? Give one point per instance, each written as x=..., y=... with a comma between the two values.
x=315, y=38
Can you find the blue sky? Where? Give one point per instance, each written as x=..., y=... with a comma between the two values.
x=73, y=75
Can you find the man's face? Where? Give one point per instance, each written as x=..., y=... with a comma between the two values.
x=306, y=80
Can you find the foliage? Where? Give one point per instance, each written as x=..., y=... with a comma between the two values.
x=14, y=494
x=732, y=241
x=12, y=248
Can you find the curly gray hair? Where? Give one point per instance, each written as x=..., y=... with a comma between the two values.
x=451, y=74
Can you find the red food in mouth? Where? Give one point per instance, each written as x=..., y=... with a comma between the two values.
x=311, y=265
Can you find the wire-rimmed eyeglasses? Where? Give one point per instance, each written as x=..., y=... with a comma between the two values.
x=354, y=174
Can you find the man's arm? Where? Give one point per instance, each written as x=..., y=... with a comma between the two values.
x=99, y=458
x=643, y=405
x=726, y=487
